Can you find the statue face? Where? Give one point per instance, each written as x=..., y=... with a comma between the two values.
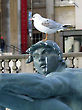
x=45, y=60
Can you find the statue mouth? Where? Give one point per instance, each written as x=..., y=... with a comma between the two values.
x=43, y=65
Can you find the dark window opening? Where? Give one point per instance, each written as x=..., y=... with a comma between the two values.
x=37, y=37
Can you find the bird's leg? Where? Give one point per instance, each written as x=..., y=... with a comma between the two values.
x=46, y=37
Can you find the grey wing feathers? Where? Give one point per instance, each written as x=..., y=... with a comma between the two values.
x=51, y=24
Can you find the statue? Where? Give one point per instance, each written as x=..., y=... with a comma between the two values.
x=55, y=87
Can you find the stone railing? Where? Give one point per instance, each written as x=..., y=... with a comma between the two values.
x=73, y=60
x=17, y=63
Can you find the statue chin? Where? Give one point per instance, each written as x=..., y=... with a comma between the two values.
x=43, y=71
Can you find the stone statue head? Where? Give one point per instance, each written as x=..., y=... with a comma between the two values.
x=46, y=56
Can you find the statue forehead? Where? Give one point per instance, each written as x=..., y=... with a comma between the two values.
x=41, y=49
x=48, y=44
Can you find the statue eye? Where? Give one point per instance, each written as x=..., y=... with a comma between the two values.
x=35, y=55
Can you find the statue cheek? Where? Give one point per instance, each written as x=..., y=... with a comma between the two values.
x=52, y=64
x=36, y=65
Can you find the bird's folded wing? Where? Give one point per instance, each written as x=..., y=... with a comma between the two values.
x=51, y=24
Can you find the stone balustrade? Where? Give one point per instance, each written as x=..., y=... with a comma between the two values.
x=17, y=63
x=73, y=60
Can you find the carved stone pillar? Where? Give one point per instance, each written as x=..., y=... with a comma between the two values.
x=50, y=14
x=14, y=22
x=5, y=24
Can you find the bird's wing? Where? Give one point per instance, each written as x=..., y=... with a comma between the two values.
x=51, y=24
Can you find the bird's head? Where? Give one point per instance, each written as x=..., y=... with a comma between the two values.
x=36, y=16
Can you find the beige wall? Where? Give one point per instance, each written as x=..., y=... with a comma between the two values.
x=65, y=15
x=38, y=6
x=40, y=11
x=50, y=9
x=78, y=11
x=0, y=5
x=13, y=23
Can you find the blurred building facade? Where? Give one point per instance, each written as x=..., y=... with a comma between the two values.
x=63, y=11
x=69, y=12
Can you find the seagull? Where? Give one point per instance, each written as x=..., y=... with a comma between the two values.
x=47, y=26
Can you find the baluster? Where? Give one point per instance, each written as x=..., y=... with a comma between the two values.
x=15, y=68
x=73, y=65
x=1, y=66
x=19, y=65
x=76, y=61
x=6, y=66
x=70, y=62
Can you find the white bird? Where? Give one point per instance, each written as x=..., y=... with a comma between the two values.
x=47, y=26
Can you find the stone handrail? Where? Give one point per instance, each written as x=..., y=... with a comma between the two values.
x=17, y=63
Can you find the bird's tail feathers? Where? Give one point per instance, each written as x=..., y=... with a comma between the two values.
x=68, y=26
